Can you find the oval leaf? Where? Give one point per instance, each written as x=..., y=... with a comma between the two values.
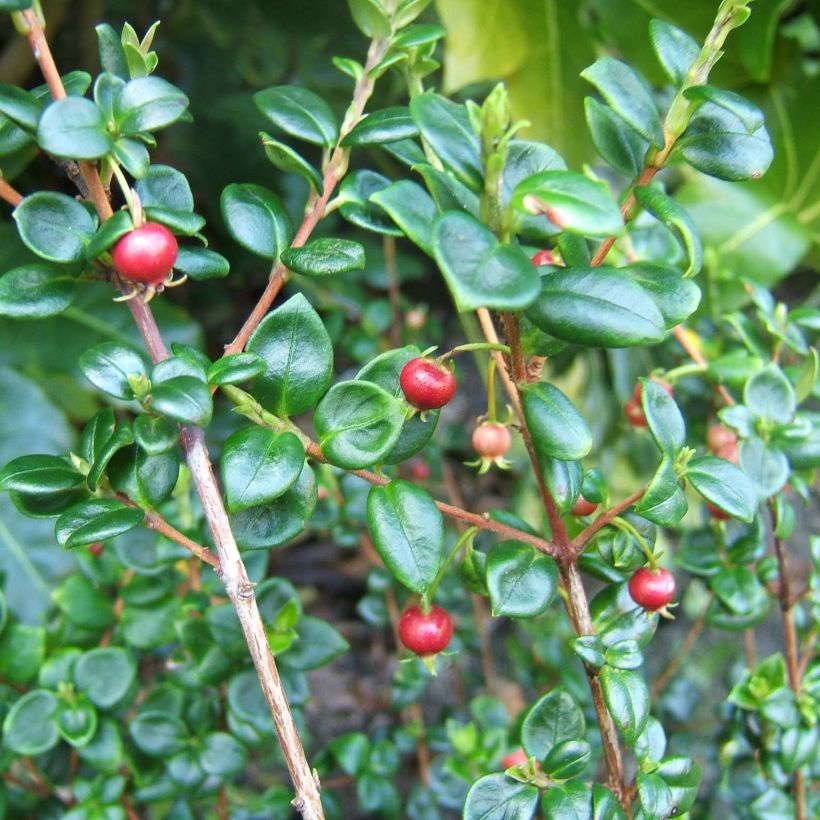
x=256, y=219
x=521, y=581
x=558, y=429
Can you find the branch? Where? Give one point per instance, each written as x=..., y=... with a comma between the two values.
x=9, y=194
x=583, y=537
x=315, y=210
x=231, y=568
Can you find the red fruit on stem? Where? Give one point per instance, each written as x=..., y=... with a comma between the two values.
x=633, y=408
x=729, y=452
x=717, y=437
x=491, y=440
x=583, y=507
x=146, y=255
x=425, y=634
x=427, y=385
x=543, y=258
x=420, y=470
x=717, y=513
x=515, y=758
x=652, y=590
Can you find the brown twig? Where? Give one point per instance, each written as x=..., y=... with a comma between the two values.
x=9, y=194
x=315, y=209
x=231, y=568
x=583, y=537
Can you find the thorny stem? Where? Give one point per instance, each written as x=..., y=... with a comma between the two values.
x=792, y=658
x=231, y=568
x=317, y=203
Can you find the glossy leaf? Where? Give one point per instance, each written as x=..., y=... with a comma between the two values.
x=386, y=125
x=627, y=698
x=770, y=395
x=355, y=204
x=185, y=399
x=158, y=734
x=408, y=532
x=675, y=297
x=616, y=141
x=663, y=417
x=95, y=520
x=74, y=128
x=286, y=159
x=558, y=429
x=628, y=94
x=765, y=464
x=324, y=257
x=553, y=719
x=30, y=727
x=236, y=368
x=108, y=367
x=296, y=348
x=412, y=209
x=299, y=112
x=664, y=502
x=675, y=49
x=20, y=106
x=54, y=226
x=165, y=187
x=105, y=675
x=567, y=759
x=563, y=479
x=201, y=264
x=259, y=465
x=721, y=483
x=256, y=219
x=148, y=104
x=108, y=233
x=522, y=582
x=625, y=314
x=498, y=797
x=317, y=644
x=479, y=271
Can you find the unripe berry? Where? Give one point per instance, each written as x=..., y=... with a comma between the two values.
x=633, y=408
x=583, y=507
x=492, y=440
x=427, y=385
x=717, y=436
x=543, y=258
x=146, y=255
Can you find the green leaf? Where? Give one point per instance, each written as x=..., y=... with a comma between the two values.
x=625, y=314
x=770, y=395
x=165, y=187
x=30, y=727
x=479, y=271
x=370, y=17
x=77, y=721
x=95, y=520
x=628, y=94
x=108, y=367
x=563, y=480
x=738, y=589
x=617, y=142
x=256, y=219
x=299, y=112
x=105, y=675
x=663, y=417
x=721, y=483
x=39, y=474
x=276, y=522
x=355, y=206
x=201, y=264
x=185, y=399
x=747, y=112
x=445, y=127
x=147, y=480
x=121, y=436
x=74, y=128
x=675, y=218
x=317, y=644
x=412, y=209
x=259, y=465
x=20, y=106
x=298, y=355
x=627, y=698
x=624, y=654
x=386, y=125
x=408, y=532
x=324, y=256
x=553, y=719
x=567, y=759
x=448, y=193
x=664, y=502
x=83, y=604
x=283, y=157
x=14, y=5
x=54, y=226
x=112, y=53
x=133, y=156
x=798, y=747
x=558, y=429
x=655, y=796
x=675, y=297
x=570, y=801
x=675, y=49
x=767, y=466
x=236, y=368
x=682, y=777
x=108, y=233
x=22, y=653
x=222, y=755
x=352, y=752
x=498, y=797
x=158, y=734
x=148, y=104
x=357, y=424
x=570, y=201
x=522, y=582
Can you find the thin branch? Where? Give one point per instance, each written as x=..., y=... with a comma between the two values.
x=315, y=210
x=583, y=537
x=9, y=194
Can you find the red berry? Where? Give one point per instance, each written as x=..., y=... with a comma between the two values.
x=96, y=549
x=652, y=590
x=633, y=408
x=583, y=507
x=415, y=318
x=717, y=513
x=515, y=758
x=146, y=254
x=426, y=384
x=491, y=440
x=420, y=470
x=729, y=452
x=425, y=634
x=543, y=258
x=717, y=436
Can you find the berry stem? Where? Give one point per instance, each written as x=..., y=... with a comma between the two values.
x=465, y=538
x=491, y=412
x=130, y=200
x=473, y=346
x=624, y=525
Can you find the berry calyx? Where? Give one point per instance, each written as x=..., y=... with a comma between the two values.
x=633, y=409
x=583, y=507
x=425, y=633
x=491, y=440
x=652, y=589
x=426, y=384
x=543, y=258
x=146, y=255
